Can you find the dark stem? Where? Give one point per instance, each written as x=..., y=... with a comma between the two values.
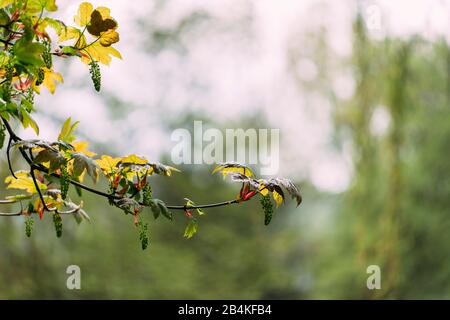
x=33, y=176
x=203, y=206
x=43, y=169
x=5, y=42
x=8, y=157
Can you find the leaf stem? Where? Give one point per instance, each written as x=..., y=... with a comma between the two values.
x=8, y=157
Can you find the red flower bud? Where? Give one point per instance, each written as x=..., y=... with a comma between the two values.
x=188, y=213
x=248, y=195
x=244, y=191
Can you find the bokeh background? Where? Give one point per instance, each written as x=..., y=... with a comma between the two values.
x=360, y=91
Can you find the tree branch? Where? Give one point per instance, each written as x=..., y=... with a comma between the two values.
x=36, y=185
x=8, y=157
x=41, y=168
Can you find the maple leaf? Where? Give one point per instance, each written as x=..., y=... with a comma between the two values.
x=28, y=121
x=36, y=6
x=66, y=133
x=81, y=146
x=50, y=80
x=108, y=164
x=191, y=228
x=23, y=182
x=108, y=38
x=101, y=21
x=70, y=33
x=83, y=16
x=100, y=53
x=233, y=167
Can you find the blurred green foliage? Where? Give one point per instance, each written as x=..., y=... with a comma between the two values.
x=395, y=213
x=233, y=256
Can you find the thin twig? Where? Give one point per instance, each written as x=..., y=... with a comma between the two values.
x=43, y=169
x=10, y=214
x=8, y=201
x=38, y=189
x=8, y=157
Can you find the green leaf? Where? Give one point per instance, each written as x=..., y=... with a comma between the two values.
x=4, y=17
x=191, y=228
x=159, y=207
x=28, y=121
x=36, y=6
x=66, y=133
x=29, y=53
x=128, y=205
x=71, y=51
x=55, y=24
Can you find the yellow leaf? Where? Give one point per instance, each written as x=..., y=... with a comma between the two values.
x=70, y=33
x=83, y=16
x=108, y=38
x=50, y=79
x=70, y=170
x=277, y=197
x=101, y=21
x=28, y=121
x=66, y=134
x=42, y=24
x=107, y=163
x=100, y=53
x=225, y=171
x=130, y=175
x=105, y=12
x=35, y=6
x=23, y=182
x=81, y=146
x=4, y=3
x=49, y=202
x=169, y=170
x=134, y=159
x=263, y=190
